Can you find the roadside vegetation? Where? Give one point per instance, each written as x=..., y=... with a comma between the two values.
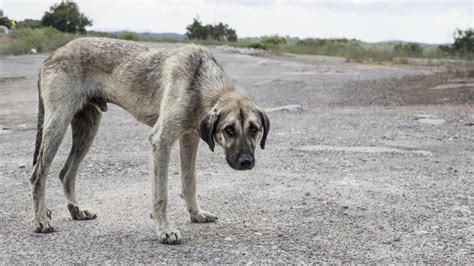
x=64, y=22
x=34, y=40
x=362, y=51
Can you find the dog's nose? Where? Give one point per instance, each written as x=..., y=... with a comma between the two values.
x=246, y=161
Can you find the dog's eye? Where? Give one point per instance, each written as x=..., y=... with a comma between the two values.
x=253, y=129
x=229, y=130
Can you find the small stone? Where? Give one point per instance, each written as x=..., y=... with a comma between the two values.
x=432, y=121
x=227, y=239
x=421, y=232
x=288, y=108
x=21, y=166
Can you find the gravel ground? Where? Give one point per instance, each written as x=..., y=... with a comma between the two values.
x=376, y=167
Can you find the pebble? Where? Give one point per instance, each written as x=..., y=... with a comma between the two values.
x=288, y=108
x=432, y=121
x=421, y=232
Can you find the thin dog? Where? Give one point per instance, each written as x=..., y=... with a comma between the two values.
x=182, y=93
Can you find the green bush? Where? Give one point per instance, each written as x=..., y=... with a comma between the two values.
x=272, y=42
x=408, y=49
x=29, y=23
x=464, y=41
x=254, y=45
x=130, y=36
x=333, y=47
x=24, y=40
x=5, y=21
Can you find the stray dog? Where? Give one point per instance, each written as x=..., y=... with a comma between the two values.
x=182, y=93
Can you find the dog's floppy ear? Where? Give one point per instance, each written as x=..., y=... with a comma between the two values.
x=266, y=128
x=207, y=127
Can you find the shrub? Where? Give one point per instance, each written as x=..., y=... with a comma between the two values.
x=29, y=23
x=253, y=45
x=333, y=47
x=464, y=41
x=408, y=49
x=273, y=40
x=41, y=39
x=128, y=35
x=5, y=21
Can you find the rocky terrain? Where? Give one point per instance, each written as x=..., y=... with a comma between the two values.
x=364, y=163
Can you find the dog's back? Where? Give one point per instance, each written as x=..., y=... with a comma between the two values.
x=94, y=54
x=103, y=70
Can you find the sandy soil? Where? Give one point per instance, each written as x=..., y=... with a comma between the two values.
x=377, y=167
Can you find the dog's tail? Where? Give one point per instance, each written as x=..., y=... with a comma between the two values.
x=39, y=134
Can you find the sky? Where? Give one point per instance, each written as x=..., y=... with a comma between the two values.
x=368, y=20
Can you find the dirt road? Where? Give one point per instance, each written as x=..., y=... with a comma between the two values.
x=377, y=166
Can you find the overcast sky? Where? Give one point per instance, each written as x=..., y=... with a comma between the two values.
x=419, y=20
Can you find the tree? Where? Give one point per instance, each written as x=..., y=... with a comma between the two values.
x=66, y=17
x=196, y=30
x=464, y=41
x=4, y=21
x=220, y=31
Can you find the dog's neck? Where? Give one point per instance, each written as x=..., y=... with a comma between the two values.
x=217, y=87
x=220, y=96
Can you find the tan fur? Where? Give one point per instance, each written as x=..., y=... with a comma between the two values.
x=181, y=93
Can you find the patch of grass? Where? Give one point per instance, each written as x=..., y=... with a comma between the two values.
x=350, y=49
x=28, y=40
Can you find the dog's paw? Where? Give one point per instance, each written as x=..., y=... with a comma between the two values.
x=203, y=217
x=80, y=214
x=43, y=225
x=169, y=236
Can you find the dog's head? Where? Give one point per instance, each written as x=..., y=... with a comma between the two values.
x=237, y=124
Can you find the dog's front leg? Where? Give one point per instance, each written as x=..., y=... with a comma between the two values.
x=161, y=148
x=189, y=143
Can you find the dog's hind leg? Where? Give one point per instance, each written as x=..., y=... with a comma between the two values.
x=189, y=143
x=53, y=134
x=84, y=127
